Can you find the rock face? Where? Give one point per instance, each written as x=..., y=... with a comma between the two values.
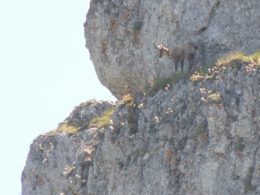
x=120, y=36
x=198, y=136
x=191, y=138
x=54, y=157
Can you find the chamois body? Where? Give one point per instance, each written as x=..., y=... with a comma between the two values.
x=179, y=54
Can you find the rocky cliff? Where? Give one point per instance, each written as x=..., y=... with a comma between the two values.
x=120, y=36
x=196, y=137
x=184, y=134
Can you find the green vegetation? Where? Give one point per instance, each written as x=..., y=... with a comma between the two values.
x=238, y=56
x=103, y=120
x=132, y=112
x=161, y=83
x=126, y=99
x=201, y=129
x=234, y=60
x=70, y=127
x=64, y=127
x=214, y=98
x=255, y=57
x=67, y=128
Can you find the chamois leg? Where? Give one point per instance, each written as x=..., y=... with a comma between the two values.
x=190, y=64
x=176, y=64
x=161, y=52
x=182, y=64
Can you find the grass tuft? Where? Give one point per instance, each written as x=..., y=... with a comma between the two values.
x=255, y=57
x=64, y=127
x=162, y=83
x=214, y=98
x=236, y=56
x=126, y=99
x=103, y=120
x=234, y=60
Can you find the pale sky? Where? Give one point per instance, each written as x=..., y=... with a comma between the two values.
x=45, y=71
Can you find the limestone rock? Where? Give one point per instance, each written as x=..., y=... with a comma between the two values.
x=120, y=36
x=181, y=144
x=197, y=136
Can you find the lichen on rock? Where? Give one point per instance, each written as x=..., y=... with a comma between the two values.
x=183, y=134
x=120, y=36
x=172, y=142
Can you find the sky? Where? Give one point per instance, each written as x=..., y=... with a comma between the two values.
x=45, y=71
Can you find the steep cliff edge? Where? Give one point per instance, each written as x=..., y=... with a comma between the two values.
x=185, y=134
x=120, y=36
x=196, y=137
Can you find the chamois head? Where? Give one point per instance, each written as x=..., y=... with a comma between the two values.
x=162, y=49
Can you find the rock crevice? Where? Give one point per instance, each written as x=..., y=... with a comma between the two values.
x=121, y=36
x=192, y=137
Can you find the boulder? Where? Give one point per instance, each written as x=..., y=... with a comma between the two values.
x=120, y=36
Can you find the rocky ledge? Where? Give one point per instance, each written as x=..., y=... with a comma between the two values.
x=120, y=36
x=193, y=137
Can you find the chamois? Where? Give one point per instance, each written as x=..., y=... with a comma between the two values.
x=179, y=54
